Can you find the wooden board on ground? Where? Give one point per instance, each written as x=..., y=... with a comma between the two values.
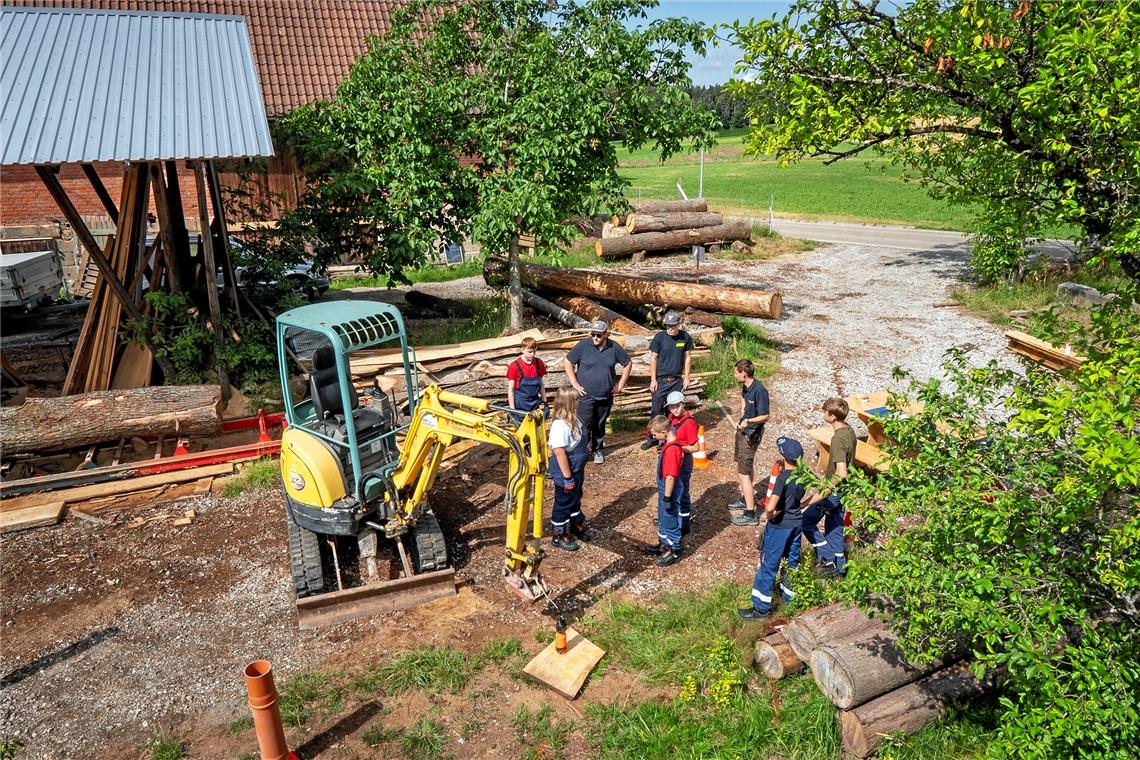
x=114, y=487
x=32, y=517
x=1042, y=351
x=565, y=673
x=363, y=361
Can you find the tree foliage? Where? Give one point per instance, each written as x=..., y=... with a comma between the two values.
x=730, y=111
x=490, y=118
x=1026, y=110
x=1014, y=531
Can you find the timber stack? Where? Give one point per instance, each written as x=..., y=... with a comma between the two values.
x=668, y=226
x=858, y=664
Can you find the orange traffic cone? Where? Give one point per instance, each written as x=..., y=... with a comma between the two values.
x=701, y=455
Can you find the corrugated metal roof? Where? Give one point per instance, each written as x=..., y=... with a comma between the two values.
x=95, y=85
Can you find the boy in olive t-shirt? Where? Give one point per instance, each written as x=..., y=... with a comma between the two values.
x=829, y=545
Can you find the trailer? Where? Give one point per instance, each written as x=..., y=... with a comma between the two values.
x=29, y=280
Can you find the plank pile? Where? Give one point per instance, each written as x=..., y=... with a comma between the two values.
x=858, y=664
x=664, y=226
x=1042, y=351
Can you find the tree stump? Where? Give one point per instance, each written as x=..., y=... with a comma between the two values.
x=775, y=657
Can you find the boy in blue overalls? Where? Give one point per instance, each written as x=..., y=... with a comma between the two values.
x=525, y=390
x=670, y=460
x=781, y=534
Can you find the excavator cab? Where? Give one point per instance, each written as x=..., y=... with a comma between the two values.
x=355, y=472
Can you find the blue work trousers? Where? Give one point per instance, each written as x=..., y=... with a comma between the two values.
x=828, y=545
x=685, y=500
x=778, y=543
x=668, y=515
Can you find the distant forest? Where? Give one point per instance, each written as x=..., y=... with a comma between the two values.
x=733, y=113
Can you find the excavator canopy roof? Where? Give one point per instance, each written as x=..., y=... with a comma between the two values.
x=359, y=324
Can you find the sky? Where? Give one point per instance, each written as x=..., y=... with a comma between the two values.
x=716, y=67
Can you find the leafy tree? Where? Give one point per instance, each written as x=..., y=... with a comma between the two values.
x=1023, y=545
x=1025, y=110
x=490, y=118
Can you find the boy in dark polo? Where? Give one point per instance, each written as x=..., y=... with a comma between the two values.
x=670, y=361
x=749, y=431
x=590, y=370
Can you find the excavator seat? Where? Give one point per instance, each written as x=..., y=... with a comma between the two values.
x=370, y=422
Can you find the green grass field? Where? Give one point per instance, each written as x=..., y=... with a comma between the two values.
x=856, y=189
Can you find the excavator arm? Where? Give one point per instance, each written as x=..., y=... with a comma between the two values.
x=443, y=418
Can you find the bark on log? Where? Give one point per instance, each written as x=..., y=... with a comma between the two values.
x=825, y=625
x=775, y=657
x=553, y=310
x=444, y=306
x=863, y=667
x=47, y=424
x=908, y=709
x=671, y=207
x=643, y=222
x=665, y=241
x=766, y=304
x=594, y=311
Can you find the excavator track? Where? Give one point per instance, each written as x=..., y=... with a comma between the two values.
x=429, y=547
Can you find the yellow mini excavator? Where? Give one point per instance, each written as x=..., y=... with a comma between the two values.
x=355, y=470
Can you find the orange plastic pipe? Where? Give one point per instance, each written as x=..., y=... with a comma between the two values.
x=266, y=714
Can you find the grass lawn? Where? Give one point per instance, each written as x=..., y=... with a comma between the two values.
x=848, y=190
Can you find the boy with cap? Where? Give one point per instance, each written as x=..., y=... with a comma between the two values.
x=781, y=536
x=670, y=362
x=686, y=430
x=754, y=412
x=669, y=463
x=590, y=369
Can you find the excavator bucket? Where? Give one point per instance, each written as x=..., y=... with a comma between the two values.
x=372, y=599
x=529, y=588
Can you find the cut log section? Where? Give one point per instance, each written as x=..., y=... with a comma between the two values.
x=766, y=304
x=47, y=424
x=671, y=207
x=641, y=222
x=861, y=668
x=832, y=623
x=665, y=241
x=775, y=657
x=594, y=311
x=906, y=710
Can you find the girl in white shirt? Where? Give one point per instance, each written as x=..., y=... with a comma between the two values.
x=568, y=454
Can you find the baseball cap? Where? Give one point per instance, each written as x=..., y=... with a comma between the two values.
x=789, y=448
x=676, y=397
x=672, y=318
x=599, y=326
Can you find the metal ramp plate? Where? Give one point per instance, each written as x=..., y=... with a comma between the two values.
x=353, y=603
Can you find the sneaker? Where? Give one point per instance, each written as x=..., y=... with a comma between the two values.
x=751, y=615
x=746, y=519
x=668, y=557
x=830, y=573
x=565, y=542
x=654, y=549
x=649, y=443
x=737, y=505
x=823, y=569
x=599, y=457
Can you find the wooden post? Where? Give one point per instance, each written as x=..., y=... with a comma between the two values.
x=47, y=176
x=211, y=283
x=224, y=232
x=165, y=226
x=183, y=272
x=101, y=190
x=514, y=283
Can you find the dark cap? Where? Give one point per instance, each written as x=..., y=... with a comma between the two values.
x=599, y=326
x=789, y=448
x=672, y=318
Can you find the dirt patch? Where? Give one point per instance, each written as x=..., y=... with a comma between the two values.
x=110, y=634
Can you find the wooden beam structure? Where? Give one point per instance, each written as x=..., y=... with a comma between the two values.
x=101, y=191
x=211, y=276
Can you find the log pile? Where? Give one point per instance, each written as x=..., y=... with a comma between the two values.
x=857, y=663
x=667, y=226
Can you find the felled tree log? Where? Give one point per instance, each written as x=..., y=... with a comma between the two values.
x=671, y=207
x=553, y=310
x=906, y=710
x=775, y=657
x=47, y=424
x=666, y=241
x=445, y=306
x=594, y=311
x=644, y=222
x=629, y=289
x=862, y=667
x=834, y=622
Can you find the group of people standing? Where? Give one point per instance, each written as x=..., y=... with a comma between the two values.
x=597, y=368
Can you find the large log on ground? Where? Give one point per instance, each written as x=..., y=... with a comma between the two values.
x=775, y=658
x=446, y=306
x=594, y=311
x=834, y=622
x=671, y=207
x=860, y=668
x=553, y=310
x=642, y=222
x=906, y=710
x=666, y=241
x=629, y=289
x=47, y=424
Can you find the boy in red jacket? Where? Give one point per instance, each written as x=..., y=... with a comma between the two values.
x=685, y=429
x=670, y=459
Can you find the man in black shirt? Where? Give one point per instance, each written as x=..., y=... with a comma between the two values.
x=670, y=362
x=749, y=430
x=590, y=370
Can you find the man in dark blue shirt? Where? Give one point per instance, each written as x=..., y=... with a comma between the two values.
x=749, y=431
x=781, y=534
x=590, y=370
x=670, y=362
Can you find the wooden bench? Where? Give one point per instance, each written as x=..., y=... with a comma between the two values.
x=867, y=456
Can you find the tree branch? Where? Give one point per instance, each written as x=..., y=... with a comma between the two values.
x=950, y=129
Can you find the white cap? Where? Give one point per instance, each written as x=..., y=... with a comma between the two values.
x=676, y=397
